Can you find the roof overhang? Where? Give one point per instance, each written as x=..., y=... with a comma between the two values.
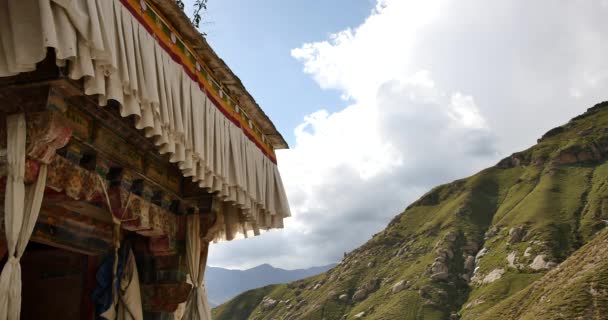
x=195, y=40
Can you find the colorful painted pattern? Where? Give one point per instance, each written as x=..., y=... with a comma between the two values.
x=149, y=16
x=143, y=217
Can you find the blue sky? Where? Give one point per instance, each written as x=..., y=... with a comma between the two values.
x=381, y=100
x=255, y=39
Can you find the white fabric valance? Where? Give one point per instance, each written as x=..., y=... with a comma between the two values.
x=101, y=42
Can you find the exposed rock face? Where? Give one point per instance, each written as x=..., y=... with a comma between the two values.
x=528, y=252
x=494, y=275
x=372, y=285
x=425, y=291
x=343, y=297
x=368, y=288
x=516, y=234
x=539, y=263
x=490, y=277
x=360, y=315
x=551, y=133
x=439, y=270
x=401, y=251
x=268, y=303
x=576, y=154
x=511, y=259
x=360, y=295
x=450, y=237
x=473, y=303
x=509, y=162
x=440, y=276
x=480, y=254
x=400, y=286
x=445, y=253
x=469, y=263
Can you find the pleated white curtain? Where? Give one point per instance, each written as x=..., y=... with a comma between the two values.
x=104, y=44
x=21, y=209
x=197, y=306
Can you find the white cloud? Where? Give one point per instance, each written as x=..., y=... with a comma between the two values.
x=438, y=90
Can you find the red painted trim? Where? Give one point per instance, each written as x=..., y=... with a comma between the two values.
x=192, y=76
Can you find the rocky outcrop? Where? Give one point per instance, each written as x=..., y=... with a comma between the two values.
x=268, y=303
x=360, y=295
x=539, y=263
x=368, y=288
x=511, y=259
x=575, y=155
x=491, y=233
x=480, y=254
x=516, y=235
x=439, y=270
x=490, y=277
x=551, y=133
x=400, y=286
x=469, y=263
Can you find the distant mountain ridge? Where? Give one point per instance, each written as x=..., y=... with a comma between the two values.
x=224, y=284
x=526, y=239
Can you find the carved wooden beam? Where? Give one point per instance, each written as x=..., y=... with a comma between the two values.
x=70, y=230
x=163, y=278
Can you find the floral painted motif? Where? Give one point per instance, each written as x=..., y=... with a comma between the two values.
x=47, y=132
x=141, y=215
x=138, y=216
x=58, y=174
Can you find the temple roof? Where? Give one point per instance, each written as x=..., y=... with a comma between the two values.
x=195, y=40
x=145, y=60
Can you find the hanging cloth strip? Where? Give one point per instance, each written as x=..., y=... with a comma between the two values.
x=126, y=295
x=197, y=306
x=21, y=208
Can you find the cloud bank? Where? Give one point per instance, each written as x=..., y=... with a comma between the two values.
x=438, y=89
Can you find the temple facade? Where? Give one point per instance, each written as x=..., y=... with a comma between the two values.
x=127, y=147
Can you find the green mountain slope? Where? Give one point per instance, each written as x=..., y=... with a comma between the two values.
x=491, y=246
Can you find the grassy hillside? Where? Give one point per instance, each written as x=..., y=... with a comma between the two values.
x=476, y=248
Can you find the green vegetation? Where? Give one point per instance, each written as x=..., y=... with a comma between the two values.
x=244, y=305
x=524, y=239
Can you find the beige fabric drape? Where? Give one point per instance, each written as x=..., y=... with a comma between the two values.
x=21, y=208
x=129, y=305
x=197, y=307
x=119, y=60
